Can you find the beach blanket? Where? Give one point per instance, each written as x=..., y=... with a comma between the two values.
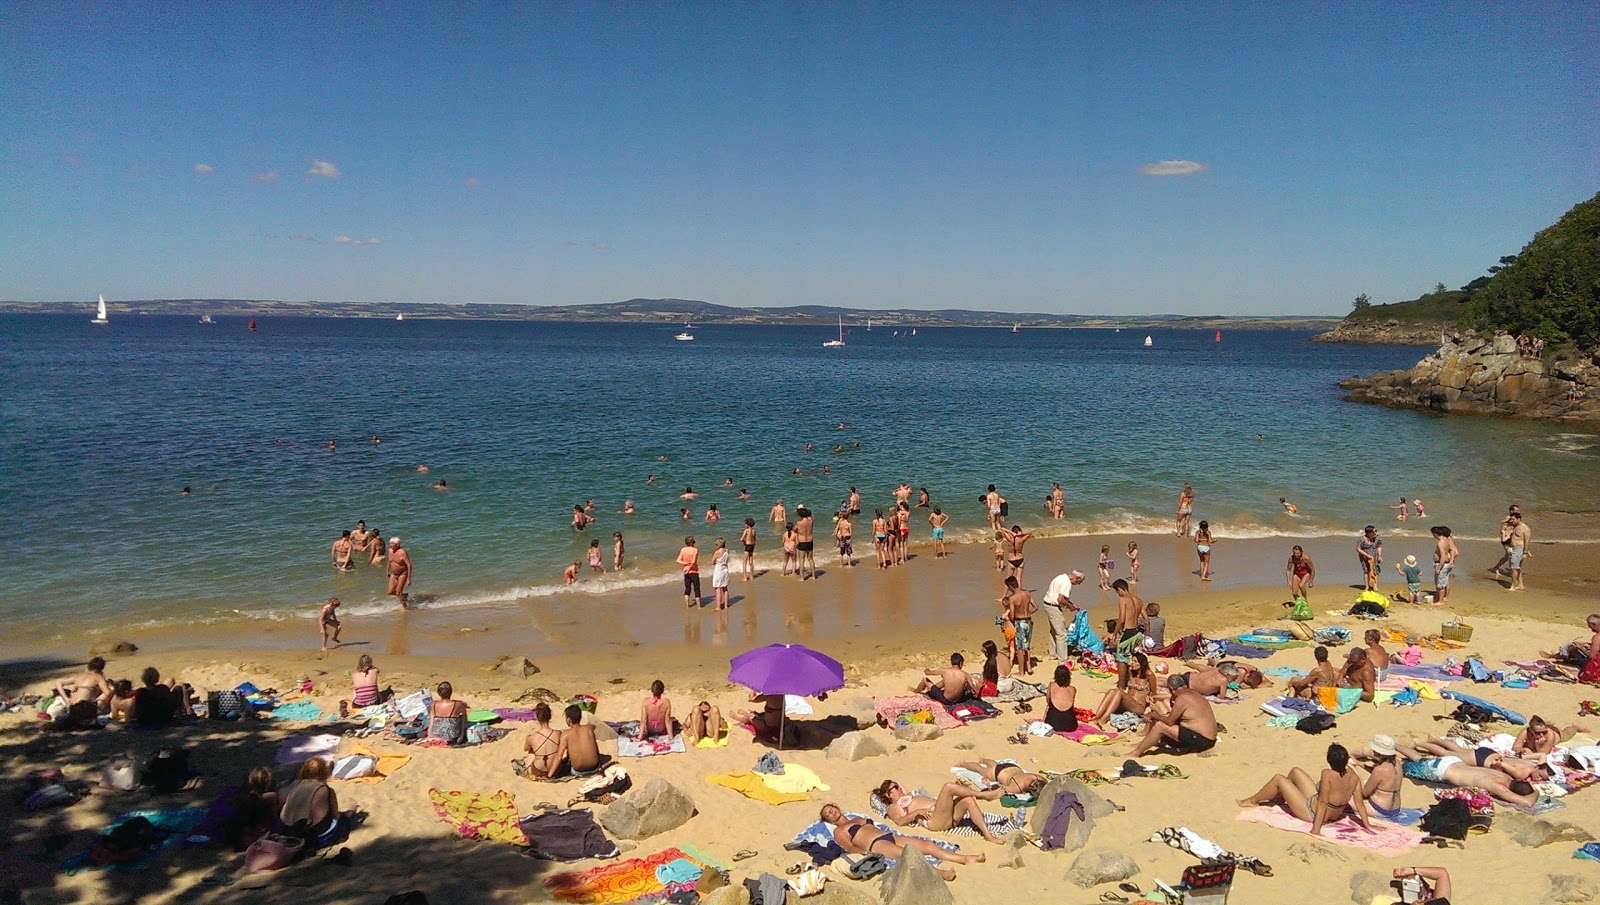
x=720, y=741
x=388, y=763
x=570, y=835
x=1387, y=840
x=475, y=815
x=1338, y=700
x=171, y=824
x=1087, y=734
x=1019, y=691
x=1176, y=648
x=1238, y=650
x=891, y=708
x=630, y=745
x=515, y=714
x=294, y=710
x=305, y=747
x=1284, y=672
x=1081, y=637
x=754, y=786
x=1426, y=673
x=633, y=880
x=794, y=705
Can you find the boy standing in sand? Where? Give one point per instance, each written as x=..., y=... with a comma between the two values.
x=1018, y=606
x=329, y=618
x=937, y=520
x=1128, y=633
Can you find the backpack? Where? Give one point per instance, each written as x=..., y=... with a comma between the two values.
x=1471, y=713
x=167, y=770
x=1449, y=818
x=1313, y=723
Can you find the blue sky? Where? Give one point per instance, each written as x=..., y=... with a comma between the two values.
x=1003, y=156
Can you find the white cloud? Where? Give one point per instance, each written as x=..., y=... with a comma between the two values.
x=346, y=240
x=204, y=169
x=1173, y=168
x=269, y=176
x=472, y=180
x=601, y=246
x=324, y=169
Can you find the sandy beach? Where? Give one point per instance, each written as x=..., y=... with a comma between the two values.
x=885, y=628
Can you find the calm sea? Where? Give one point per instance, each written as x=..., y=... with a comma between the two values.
x=100, y=427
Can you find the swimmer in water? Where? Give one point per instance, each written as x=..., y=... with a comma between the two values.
x=627, y=507
x=650, y=478
x=809, y=447
x=375, y=439
x=688, y=494
x=332, y=445
x=1288, y=506
x=571, y=575
x=684, y=514
x=185, y=491
x=422, y=469
x=744, y=494
x=841, y=426
x=795, y=472
x=441, y=484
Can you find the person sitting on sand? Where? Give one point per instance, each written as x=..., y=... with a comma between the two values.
x=159, y=703
x=1188, y=728
x=542, y=744
x=255, y=807
x=1382, y=788
x=1333, y=797
x=1005, y=775
x=705, y=722
x=89, y=685
x=1377, y=654
x=1435, y=882
x=954, y=803
x=768, y=721
x=579, y=752
x=950, y=685
x=364, y=683
x=448, y=718
x=1424, y=764
x=1134, y=699
x=1584, y=654
x=310, y=809
x=1059, y=699
x=996, y=671
x=1321, y=676
x=860, y=836
x=1358, y=673
x=122, y=701
x=655, y=714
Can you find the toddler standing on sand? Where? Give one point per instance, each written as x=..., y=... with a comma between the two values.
x=1413, y=576
x=1105, y=568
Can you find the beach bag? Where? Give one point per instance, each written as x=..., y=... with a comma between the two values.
x=413, y=705
x=1314, y=723
x=355, y=766
x=1300, y=630
x=225, y=705
x=1449, y=818
x=120, y=774
x=1302, y=610
x=1471, y=713
x=808, y=882
x=614, y=780
x=55, y=708
x=866, y=867
x=271, y=852
x=168, y=770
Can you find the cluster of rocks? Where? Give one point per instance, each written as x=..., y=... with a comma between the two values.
x=1384, y=333
x=1478, y=375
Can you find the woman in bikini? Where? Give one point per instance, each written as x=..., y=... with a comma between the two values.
x=365, y=683
x=1006, y=776
x=1335, y=796
x=880, y=538
x=904, y=524
x=859, y=836
x=1539, y=738
x=542, y=743
x=705, y=721
x=655, y=714
x=954, y=803
x=448, y=719
x=791, y=549
x=1202, y=546
x=1134, y=699
x=1382, y=788
x=996, y=670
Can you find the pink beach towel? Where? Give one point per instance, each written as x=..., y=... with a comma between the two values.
x=1388, y=840
x=1085, y=732
x=891, y=708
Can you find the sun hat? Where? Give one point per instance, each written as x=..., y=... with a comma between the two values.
x=1411, y=560
x=1383, y=744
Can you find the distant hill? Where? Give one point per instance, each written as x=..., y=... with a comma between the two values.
x=675, y=311
x=1550, y=289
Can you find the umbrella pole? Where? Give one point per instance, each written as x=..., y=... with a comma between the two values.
x=783, y=717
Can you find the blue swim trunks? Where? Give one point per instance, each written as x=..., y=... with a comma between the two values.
x=938, y=534
x=1024, y=634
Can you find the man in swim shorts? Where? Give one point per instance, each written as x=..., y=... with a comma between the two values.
x=947, y=685
x=1128, y=634
x=1521, y=539
x=1188, y=728
x=399, y=572
x=805, y=543
x=938, y=519
x=1444, y=561
x=1018, y=606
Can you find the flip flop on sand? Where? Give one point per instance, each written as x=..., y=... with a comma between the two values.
x=744, y=853
x=1130, y=888
x=1109, y=896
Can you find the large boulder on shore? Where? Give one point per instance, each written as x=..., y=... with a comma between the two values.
x=112, y=648
x=854, y=746
x=658, y=807
x=912, y=881
x=1101, y=865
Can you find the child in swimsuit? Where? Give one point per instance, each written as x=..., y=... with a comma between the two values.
x=1105, y=568
x=594, y=556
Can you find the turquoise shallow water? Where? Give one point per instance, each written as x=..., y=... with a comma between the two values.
x=103, y=425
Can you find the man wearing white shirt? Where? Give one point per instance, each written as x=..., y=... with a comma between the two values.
x=1059, y=609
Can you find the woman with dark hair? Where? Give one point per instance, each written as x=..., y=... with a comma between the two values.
x=1202, y=546
x=655, y=714
x=256, y=806
x=954, y=803
x=1059, y=697
x=1135, y=698
x=1336, y=795
x=996, y=671
x=448, y=718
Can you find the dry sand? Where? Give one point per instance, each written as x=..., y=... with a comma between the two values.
x=884, y=628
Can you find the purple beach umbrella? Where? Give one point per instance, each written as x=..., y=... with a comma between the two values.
x=786, y=669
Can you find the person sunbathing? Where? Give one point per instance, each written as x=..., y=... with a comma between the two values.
x=1484, y=755
x=579, y=751
x=768, y=721
x=1358, y=673
x=1321, y=676
x=1222, y=681
x=1189, y=728
x=542, y=745
x=1333, y=797
x=860, y=836
x=1539, y=737
x=89, y=685
x=1423, y=765
x=1134, y=699
x=954, y=803
x=655, y=714
x=1006, y=776
x=705, y=721
x=954, y=684
x=448, y=718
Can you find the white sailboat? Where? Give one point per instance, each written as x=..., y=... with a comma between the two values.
x=836, y=343
x=1148, y=342
x=869, y=325
x=400, y=317
x=206, y=319
x=100, y=313
x=1016, y=328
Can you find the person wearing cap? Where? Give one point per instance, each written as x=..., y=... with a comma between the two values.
x=1413, y=576
x=1358, y=672
x=399, y=572
x=1059, y=610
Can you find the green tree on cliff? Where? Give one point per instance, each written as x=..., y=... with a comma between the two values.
x=1362, y=302
x=1551, y=289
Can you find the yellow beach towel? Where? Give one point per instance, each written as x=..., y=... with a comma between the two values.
x=387, y=763
x=719, y=742
x=794, y=779
x=752, y=785
x=475, y=815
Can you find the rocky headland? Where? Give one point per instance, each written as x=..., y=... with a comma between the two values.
x=1388, y=332
x=1486, y=375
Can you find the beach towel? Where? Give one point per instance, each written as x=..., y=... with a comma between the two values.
x=1387, y=840
x=633, y=880
x=1338, y=700
x=1186, y=840
x=1589, y=851
x=570, y=835
x=630, y=745
x=754, y=786
x=1019, y=691
x=891, y=708
x=515, y=714
x=1176, y=648
x=295, y=710
x=794, y=779
x=388, y=763
x=1505, y=713
x=474, y=815
x=304, y=747
x=1284, y=672
x=1426, y=673
x=977, y=709
x=1089, y=735
x=166, y=827
x=1283, y=705
x=1081, y=637
x=1239, y=651
x=794, y=705
x=720, y=741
